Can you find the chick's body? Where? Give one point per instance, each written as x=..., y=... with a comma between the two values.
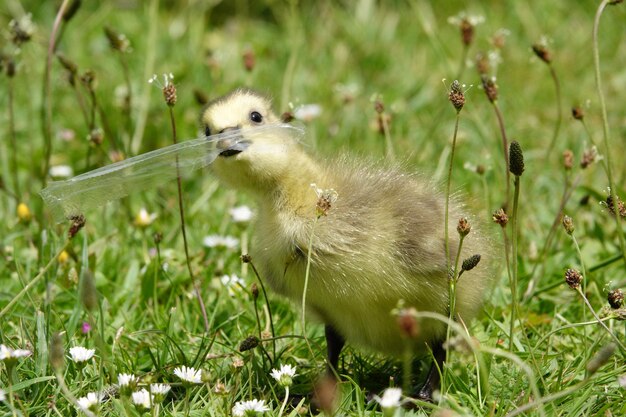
x=381, y=241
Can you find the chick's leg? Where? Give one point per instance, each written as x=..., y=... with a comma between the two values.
x=334, y=344
x=433, y=379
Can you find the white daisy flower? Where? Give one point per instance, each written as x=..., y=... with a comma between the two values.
x=390, y=399
x=90, y=402
x=213, y=241
x=622, y=381
x=127, y=383
x=188, y=374
x=308, y=112
x=142, y=398
x=241, y=214
x=6, y=353
x=3, y=396
x=61, y=171
x=125, y=380
x=159, y=388
x=249, y=408
x=159, y=391
x=284, y=375
x=81, y=354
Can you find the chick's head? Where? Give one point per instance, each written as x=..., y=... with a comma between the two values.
x=250, y=159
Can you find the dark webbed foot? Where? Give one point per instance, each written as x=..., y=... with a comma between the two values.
x=433, y=379
x=334, y=344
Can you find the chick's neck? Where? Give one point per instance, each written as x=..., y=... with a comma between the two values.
x=292, y=192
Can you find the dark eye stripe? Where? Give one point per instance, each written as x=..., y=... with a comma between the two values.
x=207, y=131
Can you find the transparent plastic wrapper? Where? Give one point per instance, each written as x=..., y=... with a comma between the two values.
x=95, y=188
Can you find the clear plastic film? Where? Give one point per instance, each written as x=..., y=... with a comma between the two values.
x=96, y=188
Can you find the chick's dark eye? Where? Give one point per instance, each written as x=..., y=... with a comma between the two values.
x=207, y=131
x=256, y=117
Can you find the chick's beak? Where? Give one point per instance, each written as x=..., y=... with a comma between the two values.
x=233, y=144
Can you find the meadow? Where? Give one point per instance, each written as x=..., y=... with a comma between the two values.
x=363, y=78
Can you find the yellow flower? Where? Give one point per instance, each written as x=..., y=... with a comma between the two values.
x=144, y=219
x=23, y=213
x=63, y=257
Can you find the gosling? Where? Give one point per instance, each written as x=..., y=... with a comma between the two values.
x=381, y=241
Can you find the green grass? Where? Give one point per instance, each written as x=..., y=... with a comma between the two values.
x=147, y=320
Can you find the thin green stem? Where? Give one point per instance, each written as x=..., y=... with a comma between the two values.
x=582, y=265
x=514, y=260
x=448, y=185
x=390, y=154
x=306, y=281
x=181, y=210
x=605, y=123
x=282, y=407
x=590, y=307
x=267, y=303
x=453, y=276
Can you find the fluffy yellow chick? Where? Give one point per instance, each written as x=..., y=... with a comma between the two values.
x=381, y=241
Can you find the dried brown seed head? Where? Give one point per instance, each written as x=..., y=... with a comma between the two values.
x=542, y=52
x=482, y=64
x=568, y=224
x=578, y=113
x=78, y=221
x=456, y=95
x=467, y=32
x=169, y=94
x=71, y=10
x=287, y=117
x=21, y=30
x=96, y=136
x=573, y=278
x=249, y=343
x=516, y=159
x=470, y=263
x=463, y=227
x=490, y=87
x=589, y=157
x=117, y=41
x=611, y=206
x=254, y=289
x=568, y=159
x=67, y=63
x=379, y=106
x=249, y=60
x=409, y=327
x=200, y=96
x=500, y=217
x=615, y=298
